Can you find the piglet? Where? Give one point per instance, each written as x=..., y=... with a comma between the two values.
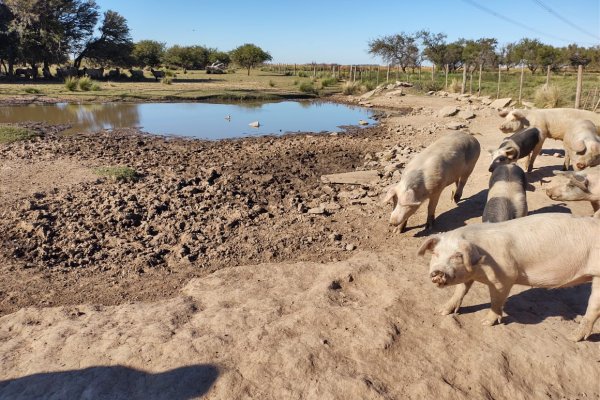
x=448, y=160
x=515, y=147
x=548, y=250
x=506, y=198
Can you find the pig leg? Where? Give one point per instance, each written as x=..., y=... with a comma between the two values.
x=567, y=161
x=433, y=200
x=498, y=295
x=452, y=305
x=534, y=153
x=591, y=315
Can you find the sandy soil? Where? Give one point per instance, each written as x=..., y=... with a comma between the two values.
x=328, y=302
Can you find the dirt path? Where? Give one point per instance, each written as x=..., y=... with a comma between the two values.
x=160, y=309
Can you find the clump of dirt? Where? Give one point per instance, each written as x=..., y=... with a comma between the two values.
x=194, y=202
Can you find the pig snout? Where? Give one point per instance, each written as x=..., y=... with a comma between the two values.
x=439, y=278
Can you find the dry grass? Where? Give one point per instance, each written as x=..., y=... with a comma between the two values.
x=547, y=96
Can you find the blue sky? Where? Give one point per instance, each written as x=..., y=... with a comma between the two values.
x=335, y=31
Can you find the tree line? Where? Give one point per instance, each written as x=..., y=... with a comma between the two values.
x=406, y=50
x=40, y=33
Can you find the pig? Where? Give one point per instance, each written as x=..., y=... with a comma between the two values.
x=506, y=197
x=583, y=185
x=515, y=147
x=543, y=250
x=552, y=123
x=582, y=145
x=448, y=160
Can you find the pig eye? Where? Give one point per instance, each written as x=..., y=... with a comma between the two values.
x=501, y=158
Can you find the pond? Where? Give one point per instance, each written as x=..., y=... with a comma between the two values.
x=198, y=120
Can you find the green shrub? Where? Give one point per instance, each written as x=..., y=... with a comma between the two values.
x=167, y=80
x=95, y=87
x=170, y=74
x=307, y=87
x=118, y=173
x=303, y=74
x=296, y=82
x=329, y=82
x=11, y=133
x=547, y=96
x=85, y=83
x=351, y=88
x=271, y=83
x=71, y=83
x=32, y=90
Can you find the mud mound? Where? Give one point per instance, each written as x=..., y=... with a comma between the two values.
x=364, y=328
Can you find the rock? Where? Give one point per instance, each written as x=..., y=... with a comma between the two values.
x=466, y=114
x=393, y=167
x=353, y=178
x=331, y=206
x=500, y=103
x=398, y=93
x=448, y=111
x=254, y=124
x=455, y=125
x=335, y=237
x=316, y=211
x=350, y=247
x=363, y=122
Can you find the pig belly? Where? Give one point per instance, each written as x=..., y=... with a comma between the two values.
x=558, y=271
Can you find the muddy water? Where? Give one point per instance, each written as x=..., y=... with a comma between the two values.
x=200, y=120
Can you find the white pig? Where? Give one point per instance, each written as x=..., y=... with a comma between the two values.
x=448, y=160
x=582, y=145
x=583, y=185
x=544, y=250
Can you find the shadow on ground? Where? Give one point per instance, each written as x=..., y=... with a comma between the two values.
x=113, y=382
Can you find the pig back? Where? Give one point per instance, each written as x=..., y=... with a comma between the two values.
x=446, y=160
x=526, y=140
x=549, y=250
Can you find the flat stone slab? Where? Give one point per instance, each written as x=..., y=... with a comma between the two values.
x=501, y=103
x=353, y=178
x=448, y=111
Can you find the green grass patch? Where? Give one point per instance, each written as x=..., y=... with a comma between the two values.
x=11, y=133
x=85, y=84
x=71, y=83
x=33, y=91
x=307, y=87
x=118, y=173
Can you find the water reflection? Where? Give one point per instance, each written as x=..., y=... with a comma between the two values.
x=201, y=120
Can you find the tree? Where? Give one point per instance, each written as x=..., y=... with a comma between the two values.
x=400, y=49
x=528, y=52
x=148, y=53
x=8, y=40
x=114, y=46
x=186, y=57
x=214, y=55
x=47, y=30
x=436, y=49
x=249, y=56
x=577, y=55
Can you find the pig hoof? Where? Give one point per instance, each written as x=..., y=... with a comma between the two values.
x=448, y=309
x=491, y=320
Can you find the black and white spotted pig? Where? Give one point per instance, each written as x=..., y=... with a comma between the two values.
x=515, y=147
x=506, y=198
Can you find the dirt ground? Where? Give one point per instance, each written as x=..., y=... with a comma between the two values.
x=229, y=270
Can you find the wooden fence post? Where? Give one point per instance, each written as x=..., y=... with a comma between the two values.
x=499, y=74
x=479, y=83
x=521, y=83
x=387, y=77
x=463, y=86
x=579, y=83
x=446, y=68
x=548, y=76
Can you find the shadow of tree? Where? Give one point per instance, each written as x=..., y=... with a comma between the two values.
x=113, y=382
x=539, y=174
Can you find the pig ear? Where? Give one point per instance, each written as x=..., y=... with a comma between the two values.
x=594, y=147
x=512, y=153
x=503, y=113
x=390, y=195
x=471, y=256
x=580, y=181
x=579, y=146
x=429, y=245
x=518, y=114
x=408, y=199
